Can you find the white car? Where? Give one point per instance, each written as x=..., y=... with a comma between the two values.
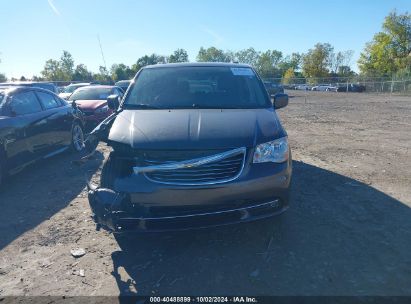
x=303, y=87
x=324, y=88
x=68, y=90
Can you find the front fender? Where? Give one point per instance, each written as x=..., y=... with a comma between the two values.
x=99, y=133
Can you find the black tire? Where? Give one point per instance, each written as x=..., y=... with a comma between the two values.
x=77, y=137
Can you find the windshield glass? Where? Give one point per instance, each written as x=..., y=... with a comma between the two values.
x=91, y=93
x=197, y=87
x=71, y=88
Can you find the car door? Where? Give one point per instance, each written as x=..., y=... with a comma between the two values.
x=25, y=142
x=59, y=121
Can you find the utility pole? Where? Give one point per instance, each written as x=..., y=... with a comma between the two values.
x=102, y=54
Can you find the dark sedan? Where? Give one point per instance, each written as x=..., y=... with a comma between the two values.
x=35, y=124
x=43, y=85
x=273, y=88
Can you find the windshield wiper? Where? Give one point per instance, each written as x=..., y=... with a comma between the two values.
x=140, y=106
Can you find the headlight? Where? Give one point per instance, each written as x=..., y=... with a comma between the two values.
x=101, y=110
x=275, y=151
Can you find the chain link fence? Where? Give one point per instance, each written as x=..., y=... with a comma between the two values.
x=348, y=84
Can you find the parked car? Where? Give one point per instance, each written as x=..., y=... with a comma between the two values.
x=123, y=84
x=303, y=87
x=351, y=87
x=273, y=88
x=194, y=145
x=35, y=124
x=43, y=85
x=92, y=101
x=325, y=88
x=68, y=90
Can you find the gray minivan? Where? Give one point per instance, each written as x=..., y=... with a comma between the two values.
x=194, y=145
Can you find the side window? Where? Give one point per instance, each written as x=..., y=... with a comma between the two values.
x=25, y=103
x=47, y=100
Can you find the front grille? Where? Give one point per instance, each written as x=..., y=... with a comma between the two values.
x=215, y=172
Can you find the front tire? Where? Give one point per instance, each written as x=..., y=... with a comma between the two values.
x=77, y=137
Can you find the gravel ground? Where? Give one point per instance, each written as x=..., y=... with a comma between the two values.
x=348, y=231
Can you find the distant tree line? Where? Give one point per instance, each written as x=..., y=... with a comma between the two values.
x=388, y=54
x=317, y=62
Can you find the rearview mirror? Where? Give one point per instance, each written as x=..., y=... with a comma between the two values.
x=113, y=101
x=280, y=101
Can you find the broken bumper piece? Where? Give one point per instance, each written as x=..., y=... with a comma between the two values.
x=107, y=205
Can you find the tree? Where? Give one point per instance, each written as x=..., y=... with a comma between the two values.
x=37, y=78
x=340, y=59
x=67, y=65
x=81, y=73
x=248, y=56
x=345, y=71
x=179, y=55
x=59, y=69
x=147, y=60
x=292, y=61
x=121, y=72
x=103, y=75
x=317, y=61
x=212, y=54
x=267, y=64
x=390, y=50
x=52, y=71
x=288, y=76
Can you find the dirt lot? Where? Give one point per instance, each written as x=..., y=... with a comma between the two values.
x=348, y=231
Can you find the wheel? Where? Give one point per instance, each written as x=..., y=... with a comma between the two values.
x=77, y=137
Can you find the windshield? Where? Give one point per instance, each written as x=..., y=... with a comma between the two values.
x=91, y=93
x=71, y=88
x=197, y=87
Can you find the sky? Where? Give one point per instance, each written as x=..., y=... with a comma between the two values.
x=33, y=31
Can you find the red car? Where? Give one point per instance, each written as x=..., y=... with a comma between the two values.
x=92, y=101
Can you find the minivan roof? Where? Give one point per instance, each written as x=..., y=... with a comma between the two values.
x=198, y=64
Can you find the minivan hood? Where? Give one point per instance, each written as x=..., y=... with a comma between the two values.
x=195, y=128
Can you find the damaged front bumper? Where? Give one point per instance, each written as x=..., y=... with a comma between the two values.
x=109, y=214
x=138, y=204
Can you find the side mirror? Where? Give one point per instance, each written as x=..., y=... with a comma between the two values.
x=74, y=105
x=280, y=101
x=113, y=101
